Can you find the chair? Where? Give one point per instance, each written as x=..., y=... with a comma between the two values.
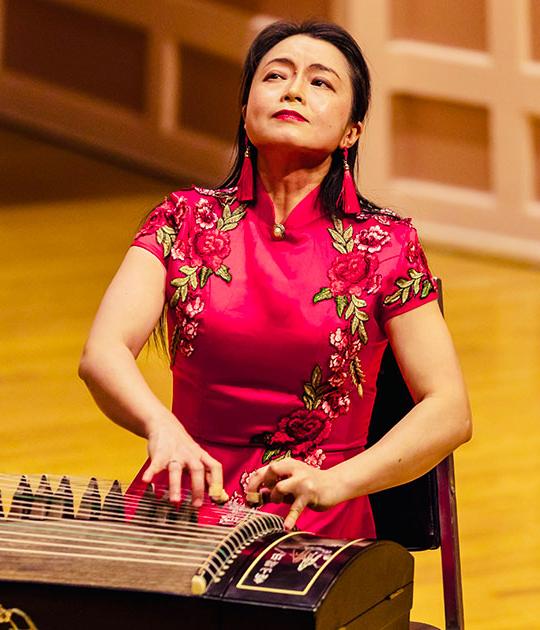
x=421, y=514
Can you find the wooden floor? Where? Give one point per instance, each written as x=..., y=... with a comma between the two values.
x=65, y=223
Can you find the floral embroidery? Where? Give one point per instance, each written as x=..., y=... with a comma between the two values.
x=203, y=255
x=418, y=281
x=372, y=239
x=384, y=216
x=352, y=274
x=165, y=221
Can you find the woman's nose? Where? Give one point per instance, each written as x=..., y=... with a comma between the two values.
x=293, y=92
x=291, y=96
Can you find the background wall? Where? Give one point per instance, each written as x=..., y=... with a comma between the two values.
x=453, y=135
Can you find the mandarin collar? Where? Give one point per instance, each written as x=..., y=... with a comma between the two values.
x=305, y=211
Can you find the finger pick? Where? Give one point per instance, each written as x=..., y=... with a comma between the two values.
x=254, y=498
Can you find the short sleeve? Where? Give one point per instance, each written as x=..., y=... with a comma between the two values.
x=407, y=280
x=159, y=232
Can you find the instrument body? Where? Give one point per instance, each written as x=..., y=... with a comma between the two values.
x=77, y=573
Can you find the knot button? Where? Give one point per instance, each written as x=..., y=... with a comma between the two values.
x=278, y=231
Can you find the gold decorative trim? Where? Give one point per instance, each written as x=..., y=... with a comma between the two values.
x=6, y=616
x=240, y=584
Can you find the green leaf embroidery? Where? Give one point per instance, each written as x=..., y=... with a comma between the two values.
x=323, y=294
x=358, y=302
x=231, y=220
x=175, y=298
x=342, y=240
x=205, y=274
x=309, y=402
x=341, y=249
x=175, y=341
x=316, y=376
x=337, y=236
x=427, y=288
x=184, y=292
x=357, y=375
x=409, y=287
x=271, y=454
x=166, y=236
x=357, y=325
x=180, y=282
x=341, y=303
x=223, y=272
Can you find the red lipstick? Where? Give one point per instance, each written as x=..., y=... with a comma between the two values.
x=285, y=114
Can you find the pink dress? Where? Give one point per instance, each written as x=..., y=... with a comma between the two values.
x=276, y=344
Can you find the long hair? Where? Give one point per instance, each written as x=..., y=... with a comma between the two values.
x=361, y=86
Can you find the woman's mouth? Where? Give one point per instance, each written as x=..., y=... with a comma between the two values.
x=289, y=114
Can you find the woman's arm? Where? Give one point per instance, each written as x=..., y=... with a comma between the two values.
x=125, y=319
x=438, y=423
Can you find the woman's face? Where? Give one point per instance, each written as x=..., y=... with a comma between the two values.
x=309, y=78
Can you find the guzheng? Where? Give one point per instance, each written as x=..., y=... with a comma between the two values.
x=74, y=557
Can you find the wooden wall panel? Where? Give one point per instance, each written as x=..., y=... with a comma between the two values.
x=209, y=98
x=298, y=10
x=476, y=185
x=535, y=133
x=152, y=81
x=440, y=141
x=77, y=50
x=534, y=26
x=459, y=23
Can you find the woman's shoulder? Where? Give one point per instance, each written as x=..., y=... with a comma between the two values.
x=384, y=224
x=193, y=194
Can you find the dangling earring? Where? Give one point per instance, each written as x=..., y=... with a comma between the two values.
x=245, y=181
x=348, y=196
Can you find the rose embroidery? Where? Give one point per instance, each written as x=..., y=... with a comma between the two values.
x=350, y=271
x=202, y=256
x=210, y=248
x=205, y=216
x=372, y=240
x=301, y=430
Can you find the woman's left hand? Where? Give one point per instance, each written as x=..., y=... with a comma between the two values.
x=291, y=481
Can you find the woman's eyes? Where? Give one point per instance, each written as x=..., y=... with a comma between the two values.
x=317, y=82
x=322, y=82
x=272, y=75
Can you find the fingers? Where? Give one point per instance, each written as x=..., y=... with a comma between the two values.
x=269, y=476
x=214, y=478
x=294, y=513
x=202, y=468
x=286, y=481
x=175, y=480
x=156, y=465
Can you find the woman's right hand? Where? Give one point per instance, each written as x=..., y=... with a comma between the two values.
x=171, y=448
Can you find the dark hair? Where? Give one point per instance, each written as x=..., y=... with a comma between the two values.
x=361, y=87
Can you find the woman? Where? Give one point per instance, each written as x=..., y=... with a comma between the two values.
x=282, y=288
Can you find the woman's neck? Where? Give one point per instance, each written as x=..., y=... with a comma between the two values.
x=288, y=179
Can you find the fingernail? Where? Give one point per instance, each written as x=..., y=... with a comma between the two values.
x=197, y=503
